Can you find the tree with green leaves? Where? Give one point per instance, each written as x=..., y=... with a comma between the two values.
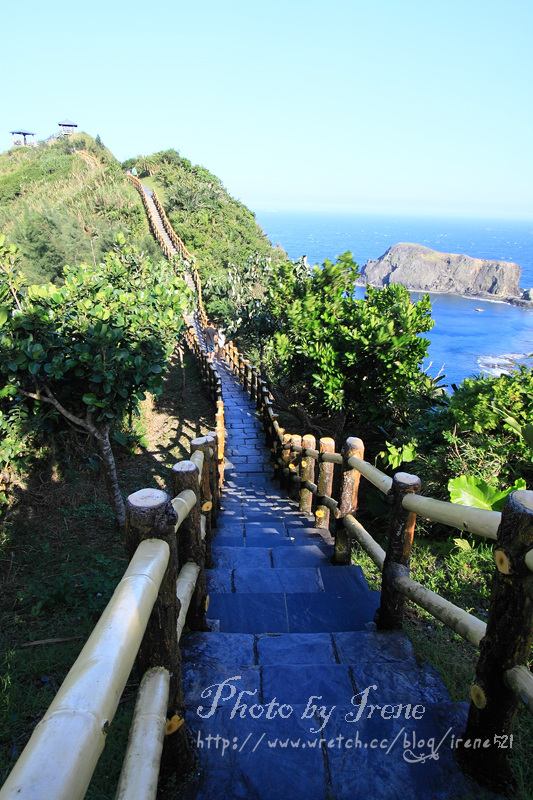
x=90, y=349
x=330, y=350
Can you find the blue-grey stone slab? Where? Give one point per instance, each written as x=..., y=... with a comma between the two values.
x=301, y=523
x=276, y=580
x=230, y=523
x=248, y=460
x=241, y=450
x=257, y=527
x=218, y=649
x=328, y=612
x=345, y=580
x=302, y=532
x=231, y=557
x=363, y=767
x=361, y=647
x=250, y=613
x=229, y=541
x=296, y=648
x=307, y=556
x=247, y=481
x=268, y=541
x=257, y=514
x=268, y=762
x=400, y=682
x=211, y=658
x=297, y=683
x=219, y=580
x=201, y=681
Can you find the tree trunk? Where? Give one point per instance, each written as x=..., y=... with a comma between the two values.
x=110, y=475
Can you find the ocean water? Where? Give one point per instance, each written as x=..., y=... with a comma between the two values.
x=464, y=341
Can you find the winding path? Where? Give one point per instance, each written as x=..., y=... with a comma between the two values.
x=292, y=650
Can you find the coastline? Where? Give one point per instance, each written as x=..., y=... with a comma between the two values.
x=513, y=301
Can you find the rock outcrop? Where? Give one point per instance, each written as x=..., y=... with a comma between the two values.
x=419, y=268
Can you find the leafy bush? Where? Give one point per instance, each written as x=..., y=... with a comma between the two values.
x=91, y=348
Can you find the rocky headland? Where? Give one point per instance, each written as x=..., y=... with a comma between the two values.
x=421, y=269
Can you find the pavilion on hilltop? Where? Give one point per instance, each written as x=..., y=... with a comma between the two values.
x=67, y=127
x=23, y=138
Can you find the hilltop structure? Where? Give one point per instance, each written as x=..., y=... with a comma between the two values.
x=67, y=127
x=25, y=141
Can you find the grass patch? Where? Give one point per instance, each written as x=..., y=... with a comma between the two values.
x=61, y=558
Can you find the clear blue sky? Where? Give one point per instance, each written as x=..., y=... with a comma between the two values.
x=392, y=105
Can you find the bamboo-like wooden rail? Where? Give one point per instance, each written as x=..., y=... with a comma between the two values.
x=151, y=218
x=502, y=680
x=60, y=757
x=214, y=385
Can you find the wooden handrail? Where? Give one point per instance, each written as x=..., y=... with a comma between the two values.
x=504, y=641
x=481, y=522
x=60, y=757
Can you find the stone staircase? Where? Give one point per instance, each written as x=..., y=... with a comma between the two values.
x=294, y=695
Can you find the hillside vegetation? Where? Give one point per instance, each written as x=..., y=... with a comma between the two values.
x=62, y=207
x=65, y=202
x=218, y=229
x=338, y=366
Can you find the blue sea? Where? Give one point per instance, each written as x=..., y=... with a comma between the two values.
x=464, y=340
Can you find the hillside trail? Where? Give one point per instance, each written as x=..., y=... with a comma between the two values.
x=293, y=693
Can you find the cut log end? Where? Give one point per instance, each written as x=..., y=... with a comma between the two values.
x=185, y=466
x=524, y=497
x=147, y=498
x=406, y=479
x=202, y=440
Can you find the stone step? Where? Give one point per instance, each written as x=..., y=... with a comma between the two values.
x=295, y=754
x=295, y=612
x=294, y=695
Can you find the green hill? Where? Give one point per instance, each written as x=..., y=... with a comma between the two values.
x=65, y=202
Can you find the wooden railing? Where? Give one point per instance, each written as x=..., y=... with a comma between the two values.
x=214, y=385
x=174, y=238
x=503, y=679
x=153, y=220
x=201, y=312
x=162, y=589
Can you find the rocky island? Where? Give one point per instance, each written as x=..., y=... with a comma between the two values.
x=421, y=269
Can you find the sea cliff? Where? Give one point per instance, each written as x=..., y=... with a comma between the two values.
x=419, y=268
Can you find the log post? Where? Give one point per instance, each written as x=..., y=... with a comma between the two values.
x=253, y=388
x=149, y=514
x=214, y=479
x=325, y=483
x=294, y=466
x=506, y=644
x=221, y=436
x=307, y=472
x=276, y=449
x=348, y=503
x=267, y=421
x=284, y=478
x=401, y=534
x=261, y=390
x=184, y=475
x=205, y=445
x=240, y=368
x=246, y=375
